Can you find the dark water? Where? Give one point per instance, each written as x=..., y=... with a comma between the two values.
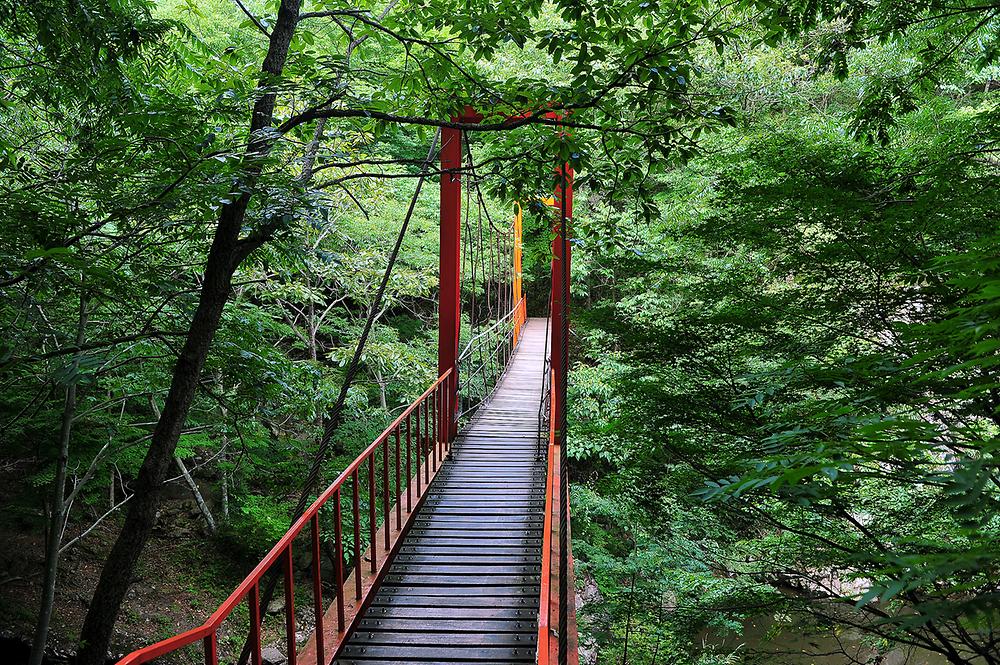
x=766, y=640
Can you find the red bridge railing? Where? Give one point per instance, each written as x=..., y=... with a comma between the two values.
x=557, y=601
x=410, y=450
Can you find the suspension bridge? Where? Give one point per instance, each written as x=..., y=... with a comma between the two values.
x=447, y=539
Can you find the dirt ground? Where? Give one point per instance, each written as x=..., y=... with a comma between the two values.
x=181, y=579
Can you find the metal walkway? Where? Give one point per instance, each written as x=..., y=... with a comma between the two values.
x=464, y=587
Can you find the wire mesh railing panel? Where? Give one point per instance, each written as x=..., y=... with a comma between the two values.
x=493, y=307
x=484, y=360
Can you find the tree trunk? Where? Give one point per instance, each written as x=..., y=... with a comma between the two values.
x=189, y=481
x=206, y=512
x=224, y=478
x=226, y=253
x=381, y=390
x=58, y=515
x=224, y=456
x=224, y=485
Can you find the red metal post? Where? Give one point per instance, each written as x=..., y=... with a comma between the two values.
x=449, y=302
x=409, y=472
x=563, y=197
x=371, y=511
x=356, y=509
x=417, y=447
x=433, y=440
x=317, y=577
x=212, y=649
x=427, y=443
x=253, y=599
x=338, y=573
x=290, y=605
x=386, y=514
x=399, y=495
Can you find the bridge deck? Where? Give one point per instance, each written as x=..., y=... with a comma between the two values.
x=464, y=586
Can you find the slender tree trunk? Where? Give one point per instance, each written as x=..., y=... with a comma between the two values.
x=223, y=460
x=628, y=618
x=224, y=482
x=189, y=480
x=57, y=516
x=225, y=255
x=313, y=336
x=224, y=476
x=120, y=565
x=382, y=401
x=206, y=512
x=312, y=150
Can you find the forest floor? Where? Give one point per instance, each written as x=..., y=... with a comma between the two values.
x=183, y=576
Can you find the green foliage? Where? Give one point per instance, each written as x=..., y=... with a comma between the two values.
x=260, y=522
x=802, y=343
x=785, y=278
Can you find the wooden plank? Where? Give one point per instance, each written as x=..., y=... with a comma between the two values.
x=461, y=624
x=425, y=602
x=449, y=613
x=458, y=569
x=474, y=638
x=471, y=555
x=463, y=592
x=438, y=653
x=491, y=520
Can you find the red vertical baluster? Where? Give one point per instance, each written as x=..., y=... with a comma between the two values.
x=427, y=451
x=290, y=605
x=357, y=536
x=432, y=412
x=438, y=405
x=409, y=472
x=253, y=599
x=442, y=432
x=386, y=523
x=416, y=445
x=399, y=496
x=445, y=414
x=212, y=649
x=338, y=537
x=318, y=587
x=371, y=508
x=431, y=453
x=450, y=397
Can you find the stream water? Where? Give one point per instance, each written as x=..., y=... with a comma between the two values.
x=766, y=640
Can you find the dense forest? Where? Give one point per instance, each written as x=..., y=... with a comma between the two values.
x=783, y=399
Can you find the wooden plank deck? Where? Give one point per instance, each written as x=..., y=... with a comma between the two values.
x=464, y=586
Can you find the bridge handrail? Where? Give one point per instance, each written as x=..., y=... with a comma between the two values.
x=502, y=337
x=513, y=314
x=249, y=587
x=552, y=650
